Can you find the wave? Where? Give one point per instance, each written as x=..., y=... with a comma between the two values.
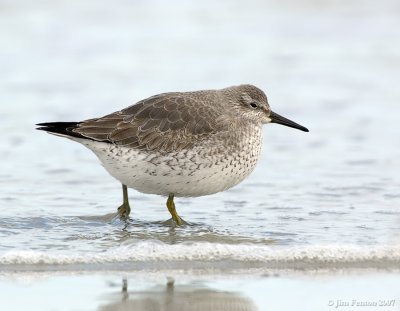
x=195, y=255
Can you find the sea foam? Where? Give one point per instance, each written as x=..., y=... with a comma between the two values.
x=193, y=254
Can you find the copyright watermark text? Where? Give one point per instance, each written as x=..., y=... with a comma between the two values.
x=338, y=303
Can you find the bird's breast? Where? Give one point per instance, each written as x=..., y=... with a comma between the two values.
x=210, y=166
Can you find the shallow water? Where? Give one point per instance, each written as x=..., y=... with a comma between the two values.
x=325, y=199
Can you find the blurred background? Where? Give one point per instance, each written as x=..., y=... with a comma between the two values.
x=330, y=65
x=307, y=55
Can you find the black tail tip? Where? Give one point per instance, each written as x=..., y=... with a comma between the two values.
x=64, y=128
x=57, y=124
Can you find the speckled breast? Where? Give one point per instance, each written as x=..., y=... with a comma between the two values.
x=211, y=166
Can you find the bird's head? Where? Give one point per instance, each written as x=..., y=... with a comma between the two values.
x=252, y=103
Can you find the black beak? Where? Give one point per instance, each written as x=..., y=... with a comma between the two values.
x=276, y=118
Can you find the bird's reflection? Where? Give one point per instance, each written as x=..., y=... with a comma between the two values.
x=171, y=297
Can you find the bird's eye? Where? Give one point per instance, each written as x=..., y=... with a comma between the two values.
x=254, y=105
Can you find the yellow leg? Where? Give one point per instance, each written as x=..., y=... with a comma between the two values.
x=124, y=210
x=172, y=210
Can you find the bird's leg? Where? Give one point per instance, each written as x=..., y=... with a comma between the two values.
x=172, y=210
x=125, y=294
x=124, y=209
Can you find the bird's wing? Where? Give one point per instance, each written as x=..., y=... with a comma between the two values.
x=163, y=122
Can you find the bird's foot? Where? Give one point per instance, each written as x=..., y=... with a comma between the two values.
x=174, y=223
x=124, y=211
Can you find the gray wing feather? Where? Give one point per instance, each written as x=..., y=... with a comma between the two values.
x=165, y=122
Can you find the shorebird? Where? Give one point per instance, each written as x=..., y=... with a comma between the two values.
x=184, y=144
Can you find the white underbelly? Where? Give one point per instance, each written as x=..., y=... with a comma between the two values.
x=184, y=174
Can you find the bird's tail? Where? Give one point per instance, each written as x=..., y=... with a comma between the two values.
x=60, y=128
